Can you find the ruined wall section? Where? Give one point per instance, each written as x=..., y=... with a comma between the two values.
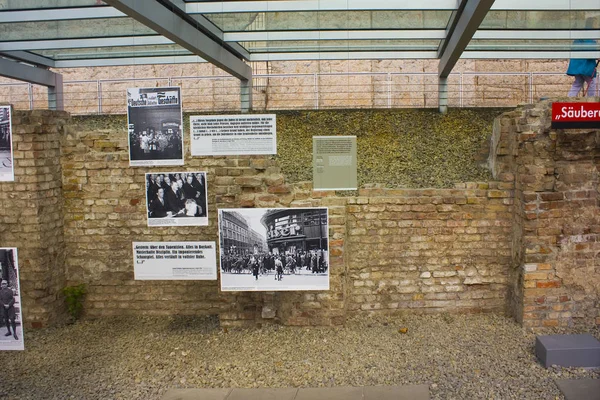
x=556, y=280
x=105, y=211
x=31, y=213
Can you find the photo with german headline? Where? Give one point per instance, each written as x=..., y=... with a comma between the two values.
x=155, y=127
x=271, y=249
x=176, y=199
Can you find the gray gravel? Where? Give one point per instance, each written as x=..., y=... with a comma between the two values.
x=459, y=356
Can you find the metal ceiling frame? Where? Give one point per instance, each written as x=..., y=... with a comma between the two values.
x=26, y=46
x=168, y=20
x=460, y=32
x=40, y=76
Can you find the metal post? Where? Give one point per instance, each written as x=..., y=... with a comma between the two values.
x=389, y=90
x=56, y=93
x=443, y=95
x=530, y=88
x=316, y=83
x=30, y=95
x=99, y=88
x=461, y=90
x=246, y=95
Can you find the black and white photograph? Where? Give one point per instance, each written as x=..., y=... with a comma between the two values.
x=155, y=126
x=274, y=249
x=6, y=151
x=176, y=199
x=11, y=322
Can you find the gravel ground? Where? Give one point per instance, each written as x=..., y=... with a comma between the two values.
x=459, y=356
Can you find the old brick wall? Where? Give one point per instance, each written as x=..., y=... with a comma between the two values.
x=555, y=277
x=529, y=236
x=431, y=250
x=31, y=213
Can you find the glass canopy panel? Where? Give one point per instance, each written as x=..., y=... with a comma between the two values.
x=39, y=4
x=324, y=20
x=76, y=28
x=531, y=45
x=340, y=45
x=563, y=19
x=114, y=52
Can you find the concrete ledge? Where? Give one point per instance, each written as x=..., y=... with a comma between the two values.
x=407, y=392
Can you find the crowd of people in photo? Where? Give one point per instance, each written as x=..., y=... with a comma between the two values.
x=277, y=264
x=149, y=144
x=180, y=194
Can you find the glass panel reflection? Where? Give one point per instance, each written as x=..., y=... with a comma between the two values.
x=312, y=20
x=88, y=28
x=564, y=19
x=112, y=52
x=532, y=45
x=38, y=4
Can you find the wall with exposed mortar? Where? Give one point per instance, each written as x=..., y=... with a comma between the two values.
x=32, y=214
x=528, y=238
x=555, y=272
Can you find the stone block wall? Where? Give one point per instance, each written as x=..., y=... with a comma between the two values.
x=555, y=277
x=31, y=213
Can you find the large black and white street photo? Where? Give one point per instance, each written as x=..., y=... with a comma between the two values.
x=176, y=199
x=6, y=154
x=155, y=126
x=11, y=327
x=271, y=249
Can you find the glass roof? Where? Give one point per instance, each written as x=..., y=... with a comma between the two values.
x=64, y=30
x=41, y=4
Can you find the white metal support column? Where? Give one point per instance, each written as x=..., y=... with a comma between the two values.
x=469, y=16
x=39, y=76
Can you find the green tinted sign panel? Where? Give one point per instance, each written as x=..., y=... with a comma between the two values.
x=334, y=163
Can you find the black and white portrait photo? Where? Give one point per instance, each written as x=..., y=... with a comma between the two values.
x=11, y=322
x=155, y=126
x=271, y=249
x=6, y=153
x=176, y=199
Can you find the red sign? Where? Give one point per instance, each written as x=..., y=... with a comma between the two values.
x=575, y=115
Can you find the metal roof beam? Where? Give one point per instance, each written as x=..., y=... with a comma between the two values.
x=315, y=5
x=29, y=58
x=344, y=55
x=217, y=7
x=27, y=73
x=461, y=32
x=39, y=76
x=409, y=34
x=175, y=27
